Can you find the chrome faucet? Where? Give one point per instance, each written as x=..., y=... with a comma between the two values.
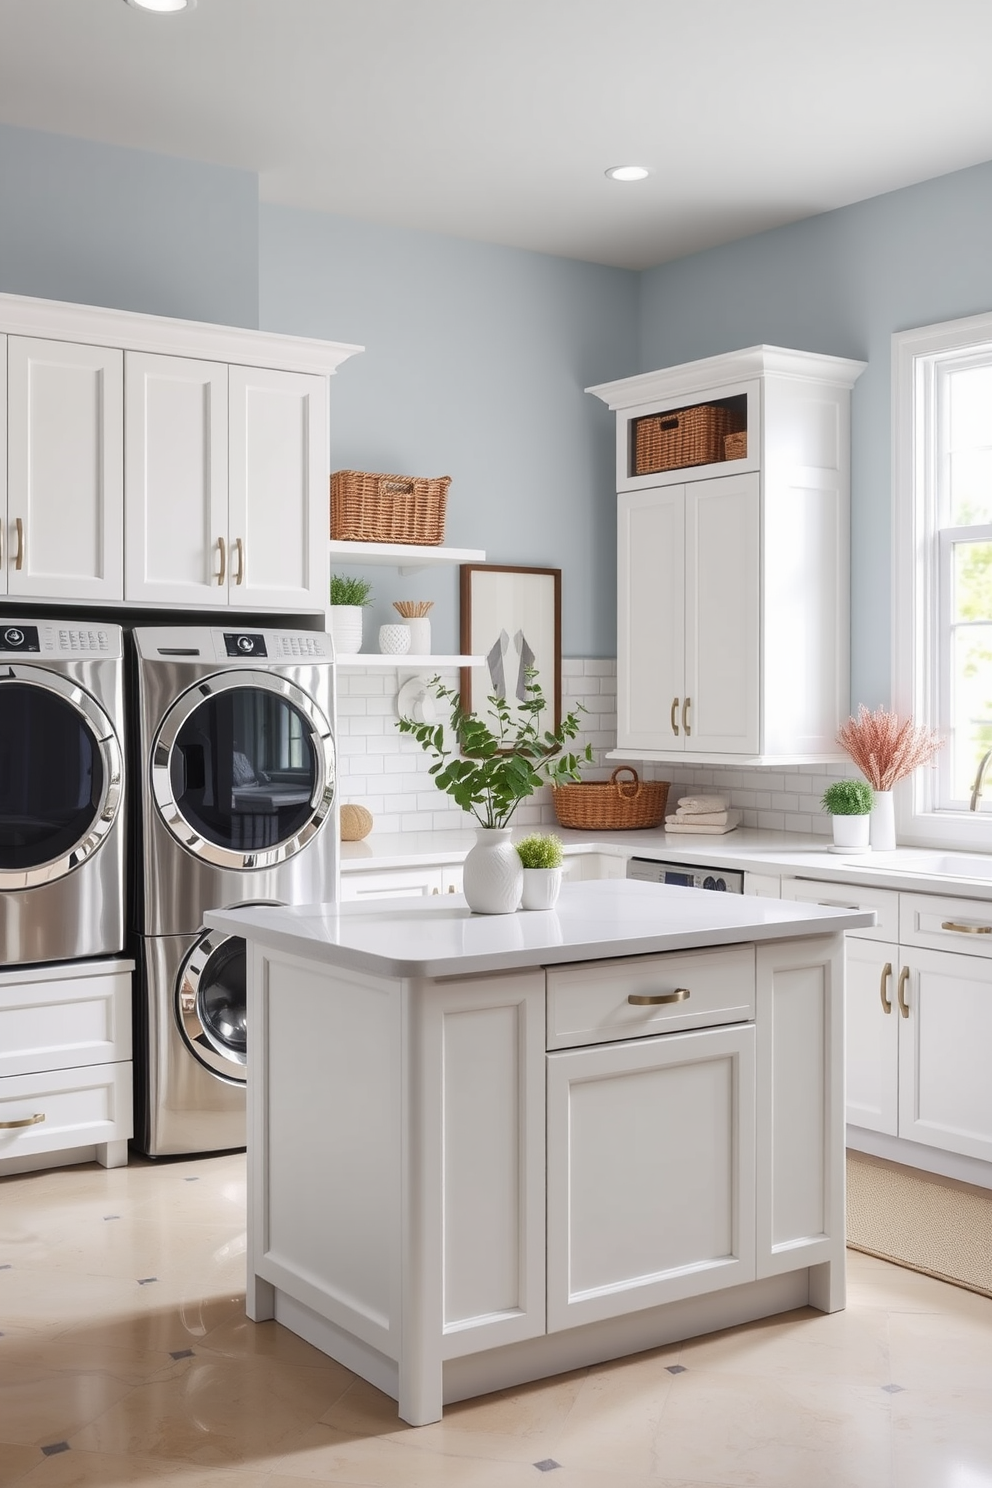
x=976, y=789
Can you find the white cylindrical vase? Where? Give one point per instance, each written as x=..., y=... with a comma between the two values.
x=850, y=834
x=882, y=831
x=493, y=874
x=346, y=628
x=419, y=627
x=541, y=888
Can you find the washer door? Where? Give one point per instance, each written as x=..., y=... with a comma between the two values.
x=243, y=770
x=211, y=1004
x=61, y=776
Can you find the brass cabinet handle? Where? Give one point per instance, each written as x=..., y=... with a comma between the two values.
x=435, y=891
x=901, y=991
x=222, y=576
x=239, y=548
x=886, y=1001
x=19, y=556
x=685, y=717
x=966, y=929
x=675, y=709
x=452, y=889
x=25, y=1121
x=654, y=999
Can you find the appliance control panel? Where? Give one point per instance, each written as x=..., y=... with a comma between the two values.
x=686, y=875
x=198, y=643
x=58, y=638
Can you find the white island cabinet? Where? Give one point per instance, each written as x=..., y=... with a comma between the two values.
x=486, y=1149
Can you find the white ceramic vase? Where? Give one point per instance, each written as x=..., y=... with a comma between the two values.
x=394, y=640
x=882, y=829
x=346, y=628
x=541, y=886
x=420, y=635
x=851, y=834
x=493, y=875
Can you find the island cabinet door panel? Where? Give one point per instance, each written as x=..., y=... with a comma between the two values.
x=800, y=1134
x=650, y=618
x=872, y=1039
x=945, y=1094
x=475, y=1226
x=650, y=1172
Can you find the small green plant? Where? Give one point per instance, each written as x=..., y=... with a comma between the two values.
x=498, y=767
x=848, y=798
x=540, y=850
x=350, y=591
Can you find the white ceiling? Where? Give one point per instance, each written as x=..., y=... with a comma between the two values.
x=495, y=119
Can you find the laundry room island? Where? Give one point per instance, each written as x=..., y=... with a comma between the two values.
x=486, y=1149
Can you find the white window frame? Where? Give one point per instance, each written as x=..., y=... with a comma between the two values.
x=916, y=574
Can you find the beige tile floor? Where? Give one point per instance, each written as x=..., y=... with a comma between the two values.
x=126, y=1359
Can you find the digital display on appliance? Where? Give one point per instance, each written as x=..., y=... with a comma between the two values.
x=241, y=643
x=686, y=879
x=20, y=638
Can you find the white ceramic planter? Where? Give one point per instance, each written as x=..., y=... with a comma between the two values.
x=394, y=640
x=346, y=628
x=851, y=834
x=541, y=886
x=493, y=874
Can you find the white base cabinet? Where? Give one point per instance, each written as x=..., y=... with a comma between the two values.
x=457, y=1185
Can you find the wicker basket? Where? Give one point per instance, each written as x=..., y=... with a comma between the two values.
x=735, y=445
x=611, y=805
x=686, y=436
x=367, y=507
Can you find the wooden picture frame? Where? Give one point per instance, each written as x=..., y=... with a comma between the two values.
x=512, y=616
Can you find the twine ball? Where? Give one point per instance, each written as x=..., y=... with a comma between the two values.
x=356, y=823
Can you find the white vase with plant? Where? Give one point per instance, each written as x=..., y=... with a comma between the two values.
x=489, y=771
x=349, y=598
x=886, y=750
x=849, y=803
x=541, y=855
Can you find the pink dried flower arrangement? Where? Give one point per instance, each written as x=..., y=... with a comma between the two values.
x=884, y=749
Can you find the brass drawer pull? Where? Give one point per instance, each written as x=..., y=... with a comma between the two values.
x=886, y=1001
x=966, y=929
x=901, y=991
x=19, y=556
x=675, y=709
x=685, y=717
x=654, y=999
x=222, y=576
x=25, y=1121
x=239, y=548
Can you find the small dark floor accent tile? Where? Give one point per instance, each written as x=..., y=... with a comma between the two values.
x=7, y=1266
x=547, y=1464
x=893, y=1389
x=676, y=1368
x=54, y=1447
x=144, y=1280
x=194, y=1179
x=182, y=1354
x=110, y=1216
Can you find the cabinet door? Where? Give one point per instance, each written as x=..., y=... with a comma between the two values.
x=452, y=878
x=945, y=1094
x=650, y=618
x=279, y=492
x=722, y=701
x=395, y=883
x=65, y=500
x=650, y=1172
x=872, y=1040
x=176, y=480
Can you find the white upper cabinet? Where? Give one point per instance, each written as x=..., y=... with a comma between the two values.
x=63, y=532
x=733, y=476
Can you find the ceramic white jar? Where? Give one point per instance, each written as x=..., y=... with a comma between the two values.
x=346, y=628
x=493, y=874
x=851, y=834
x=541, y=888
x=419, y=627
x=394, y=640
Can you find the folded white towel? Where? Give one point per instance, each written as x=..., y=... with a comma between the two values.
x=686, y=825
x=703, y=803
x=704, y=818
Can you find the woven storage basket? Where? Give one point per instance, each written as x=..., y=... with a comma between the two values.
x=686, y=436
x=611, y=805
x=735, y=445
x=367, y=507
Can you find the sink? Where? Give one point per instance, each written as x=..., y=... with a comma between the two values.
x=937, y=864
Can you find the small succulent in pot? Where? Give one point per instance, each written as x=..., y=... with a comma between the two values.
x=848, y=798
x=349, y=590
x=540, y=850
x=541, y=855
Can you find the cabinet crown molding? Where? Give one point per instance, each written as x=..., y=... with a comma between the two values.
x=58, y=320
x=709, y=374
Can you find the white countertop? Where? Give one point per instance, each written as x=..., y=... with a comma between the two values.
x=593, y=920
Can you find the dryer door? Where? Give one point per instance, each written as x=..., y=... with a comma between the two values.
x=211, y=1004
x=243, y=769
x=60, y=776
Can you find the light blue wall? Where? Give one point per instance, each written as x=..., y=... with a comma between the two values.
x=101, y=225
x=840, y=283
x=475, y=363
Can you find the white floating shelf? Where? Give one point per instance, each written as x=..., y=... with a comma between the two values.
x=408, y=662
x=407, y=557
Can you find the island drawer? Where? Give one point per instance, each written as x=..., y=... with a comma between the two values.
x=599, y=1002
x=885, y=903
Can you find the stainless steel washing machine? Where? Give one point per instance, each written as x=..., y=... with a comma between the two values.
x=235, y=772
x=61, y=790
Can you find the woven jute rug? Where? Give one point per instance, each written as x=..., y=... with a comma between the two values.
x=930, y=1224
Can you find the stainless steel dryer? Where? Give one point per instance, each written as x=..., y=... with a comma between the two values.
x=235, y=765
x=61, y=790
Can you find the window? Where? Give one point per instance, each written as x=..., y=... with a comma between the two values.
x=942, y=378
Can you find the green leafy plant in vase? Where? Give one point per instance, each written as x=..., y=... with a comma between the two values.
x=542, y=856
x=849, y=803
x=488, y=768
x=348, y=599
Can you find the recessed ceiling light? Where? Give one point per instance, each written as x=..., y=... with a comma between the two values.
x=162, y=7
x=627, y=172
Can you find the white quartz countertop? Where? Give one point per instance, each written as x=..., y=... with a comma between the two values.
x=592, y=921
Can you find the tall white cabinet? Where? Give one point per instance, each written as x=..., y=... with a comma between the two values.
x=733, y=575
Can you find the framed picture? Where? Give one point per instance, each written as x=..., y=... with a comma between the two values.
x=512, y=617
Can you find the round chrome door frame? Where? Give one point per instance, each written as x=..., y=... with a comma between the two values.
x=195, y=1034
x=104, y=736
x=185, y=705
